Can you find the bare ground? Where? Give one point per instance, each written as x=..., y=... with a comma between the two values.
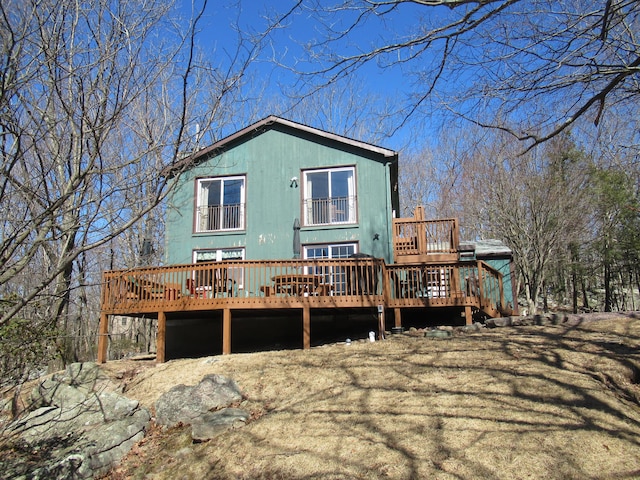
x=554, y=402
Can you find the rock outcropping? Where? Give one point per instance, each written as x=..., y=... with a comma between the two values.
x=76, y=428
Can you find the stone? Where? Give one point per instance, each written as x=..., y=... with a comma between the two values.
x=212, y=424
x=183, y=404
x=438, y=333
x=474, y=327
x=499, y=322
x=108, y=445
x=71, y=386
x=84, y=428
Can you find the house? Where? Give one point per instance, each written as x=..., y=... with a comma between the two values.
x=250, y=195
x=283, y=229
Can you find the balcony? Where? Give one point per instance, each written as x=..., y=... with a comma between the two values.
x=330, y=211
x=416, y=240
x=220, y=217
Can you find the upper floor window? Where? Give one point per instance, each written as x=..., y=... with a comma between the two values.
x=329, y=196
x=220, y=204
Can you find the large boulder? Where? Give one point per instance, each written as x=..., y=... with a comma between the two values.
x=203, y=406
x=83, y=425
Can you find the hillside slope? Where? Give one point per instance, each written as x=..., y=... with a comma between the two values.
x=551, y=401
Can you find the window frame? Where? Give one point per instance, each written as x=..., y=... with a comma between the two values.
x=331, y=210
x=335, y=276
x=206, y=223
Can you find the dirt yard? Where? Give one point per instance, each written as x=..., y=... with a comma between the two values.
x=550, y=402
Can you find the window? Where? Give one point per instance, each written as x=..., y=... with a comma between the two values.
x=329, y=196
x=335, y=276
x=330, y=251
x=220, y=204
x=234, y=275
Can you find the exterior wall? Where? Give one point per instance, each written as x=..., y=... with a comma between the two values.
x=503, y=265
x=269, y=161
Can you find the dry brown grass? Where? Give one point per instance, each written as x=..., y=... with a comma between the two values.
x=553, y=402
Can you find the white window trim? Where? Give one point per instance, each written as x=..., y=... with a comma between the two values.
x=329, y=246
x=201, y=201
x=351, y=201
x=218, y=252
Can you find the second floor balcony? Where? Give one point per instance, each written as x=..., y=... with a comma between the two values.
x=416, y=240
x=220, y=217
x=330, y=211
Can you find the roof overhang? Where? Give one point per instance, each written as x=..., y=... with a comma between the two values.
x=196, y=157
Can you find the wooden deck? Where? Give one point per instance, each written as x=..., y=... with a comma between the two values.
x=474, y=287
x=416, y=240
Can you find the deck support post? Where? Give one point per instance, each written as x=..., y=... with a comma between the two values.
x=161, y=337
x=306, y=327
x=226, y=331
x=397, y=317
x=103, y=338
x=467, y=315
x=381, y=323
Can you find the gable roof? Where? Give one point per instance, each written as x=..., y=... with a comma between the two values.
x=268, y=123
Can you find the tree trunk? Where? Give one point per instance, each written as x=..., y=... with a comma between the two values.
x=585, y=297
x=573, y=248
x=607, y=286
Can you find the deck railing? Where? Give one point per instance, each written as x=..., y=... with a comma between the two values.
x=360, y=282
x=220, y=217
x=330, y=211
x=414, y=238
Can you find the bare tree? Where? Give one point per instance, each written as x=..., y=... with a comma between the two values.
x=96, y=99
x=535, y=65
x=533, y=202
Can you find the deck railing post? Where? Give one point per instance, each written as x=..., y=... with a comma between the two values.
x=386, y=285
x=481, y=283
x=455, y=236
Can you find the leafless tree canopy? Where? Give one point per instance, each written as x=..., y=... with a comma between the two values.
x=536, y=64
x=77, y=79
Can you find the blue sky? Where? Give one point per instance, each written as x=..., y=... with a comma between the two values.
x=535, y=91
x=217, y=36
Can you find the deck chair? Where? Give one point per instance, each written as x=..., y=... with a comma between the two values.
x=221, y=283
x=194, y=291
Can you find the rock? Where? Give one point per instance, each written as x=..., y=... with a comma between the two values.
x=71, y=386
x=212, y=424
x=108, y=445
x=438, y=334
x=83, y=428
x=446, y=328
x=184, y=404
x=499, y=322
x=195, y=405
x=474, y=327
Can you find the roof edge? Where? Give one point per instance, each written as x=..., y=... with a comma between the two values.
x=192, y=159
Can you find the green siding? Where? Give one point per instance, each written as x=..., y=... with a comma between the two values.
x=269, y=160
x=503, y=265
